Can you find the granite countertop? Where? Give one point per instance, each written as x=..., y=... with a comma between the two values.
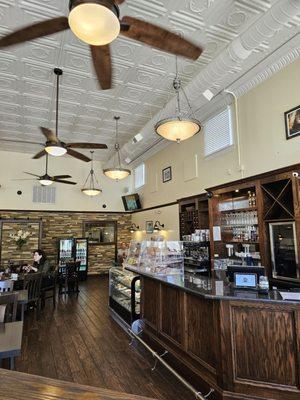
x=213, y=288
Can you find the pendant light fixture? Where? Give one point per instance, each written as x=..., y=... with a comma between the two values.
x=95, y=22
x=117, y=173
x=178, y=127
x=89, y=187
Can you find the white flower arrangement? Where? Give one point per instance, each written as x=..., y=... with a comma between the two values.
x=20, y=238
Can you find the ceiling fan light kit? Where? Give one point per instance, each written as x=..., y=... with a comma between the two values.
x=95, y=22
x=46, y=181
x=55, y=150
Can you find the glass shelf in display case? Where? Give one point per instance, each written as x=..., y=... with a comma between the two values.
x=124, y=294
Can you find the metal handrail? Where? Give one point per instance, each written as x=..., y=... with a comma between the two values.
x=159, y=358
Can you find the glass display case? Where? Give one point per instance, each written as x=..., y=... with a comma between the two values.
x=124, y=294
x=162, y=258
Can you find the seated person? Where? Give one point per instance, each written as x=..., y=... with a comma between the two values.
x=41, y=264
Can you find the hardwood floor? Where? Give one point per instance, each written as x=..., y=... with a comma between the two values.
x=79, y=342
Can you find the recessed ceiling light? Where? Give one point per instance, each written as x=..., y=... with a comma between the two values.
x=208, y=94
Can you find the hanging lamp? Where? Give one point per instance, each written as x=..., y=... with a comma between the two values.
x=178, y=127
x=89, y=187
x=117, y=173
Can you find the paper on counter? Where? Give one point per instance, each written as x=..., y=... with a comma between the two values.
x=290, y=296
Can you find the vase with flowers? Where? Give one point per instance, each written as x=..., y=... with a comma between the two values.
x=20, y=238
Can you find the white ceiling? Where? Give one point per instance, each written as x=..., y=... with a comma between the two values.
x=142, y=76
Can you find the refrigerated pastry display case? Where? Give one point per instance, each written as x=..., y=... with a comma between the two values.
x=124, y=295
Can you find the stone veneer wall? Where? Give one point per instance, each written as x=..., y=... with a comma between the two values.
x=66, y=224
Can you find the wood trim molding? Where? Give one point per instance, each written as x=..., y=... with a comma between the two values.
x=289, y=169
x=173, y=203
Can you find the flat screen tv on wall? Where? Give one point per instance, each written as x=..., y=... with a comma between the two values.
x=132, y=202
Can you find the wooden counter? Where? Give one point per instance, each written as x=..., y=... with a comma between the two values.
x=243, y=347
x=17, y=386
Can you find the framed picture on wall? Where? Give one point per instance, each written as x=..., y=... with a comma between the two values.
x=292, y=122
x=149, y=227
x=167, y=174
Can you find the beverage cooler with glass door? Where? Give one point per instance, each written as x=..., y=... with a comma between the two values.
x=75, y=249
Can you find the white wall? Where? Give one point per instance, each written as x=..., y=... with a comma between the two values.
x=68, y=197
x=263, y=147
x=169, y=216
x=262, y=137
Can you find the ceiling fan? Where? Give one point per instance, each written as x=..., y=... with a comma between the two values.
x=53, y=145
x=46, y=179
x=98, y=23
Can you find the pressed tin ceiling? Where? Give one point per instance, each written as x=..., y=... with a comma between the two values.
x=142, y=76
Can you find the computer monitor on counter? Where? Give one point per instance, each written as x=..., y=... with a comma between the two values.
x=245, y=269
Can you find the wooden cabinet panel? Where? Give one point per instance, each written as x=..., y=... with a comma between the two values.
x=265, y=345
x=200, y=331
x=171, y=313
x=150, y=302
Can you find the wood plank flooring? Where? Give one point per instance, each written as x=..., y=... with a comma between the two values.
x=78, y=342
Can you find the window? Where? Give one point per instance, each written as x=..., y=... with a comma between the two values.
x=139, y=176
x=218, y=132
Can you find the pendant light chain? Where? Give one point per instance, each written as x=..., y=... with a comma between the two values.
x=179, y=126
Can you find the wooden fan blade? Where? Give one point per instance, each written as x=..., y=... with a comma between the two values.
x=40, y=155
x=119, y=1
x=77, y=155
x=61, y=177
x=49, y=135
x=35, y=31
x=20, y=141
x=65, y=182
x=28, y=173
x=160, y=38
x=102, y=64
x=87, y=146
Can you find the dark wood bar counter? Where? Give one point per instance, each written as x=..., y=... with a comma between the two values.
x=243, y=344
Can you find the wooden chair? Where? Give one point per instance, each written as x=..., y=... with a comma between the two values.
x=8, y=304
x=32, y=283
x=69, y=278
x=49, y=291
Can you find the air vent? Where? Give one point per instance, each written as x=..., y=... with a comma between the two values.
x=44, y=194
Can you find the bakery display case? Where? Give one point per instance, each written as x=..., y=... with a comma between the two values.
x=162, y=257
x=124, y=295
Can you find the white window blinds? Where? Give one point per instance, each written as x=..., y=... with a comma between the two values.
x=218, y=132
x=139, y=176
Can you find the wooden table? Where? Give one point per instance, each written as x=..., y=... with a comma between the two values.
x=22, y=300
x=16, y=385
x=11, y=341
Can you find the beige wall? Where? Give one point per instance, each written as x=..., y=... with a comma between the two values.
x=169, y=216
x=263, y=147
x=68, y=197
